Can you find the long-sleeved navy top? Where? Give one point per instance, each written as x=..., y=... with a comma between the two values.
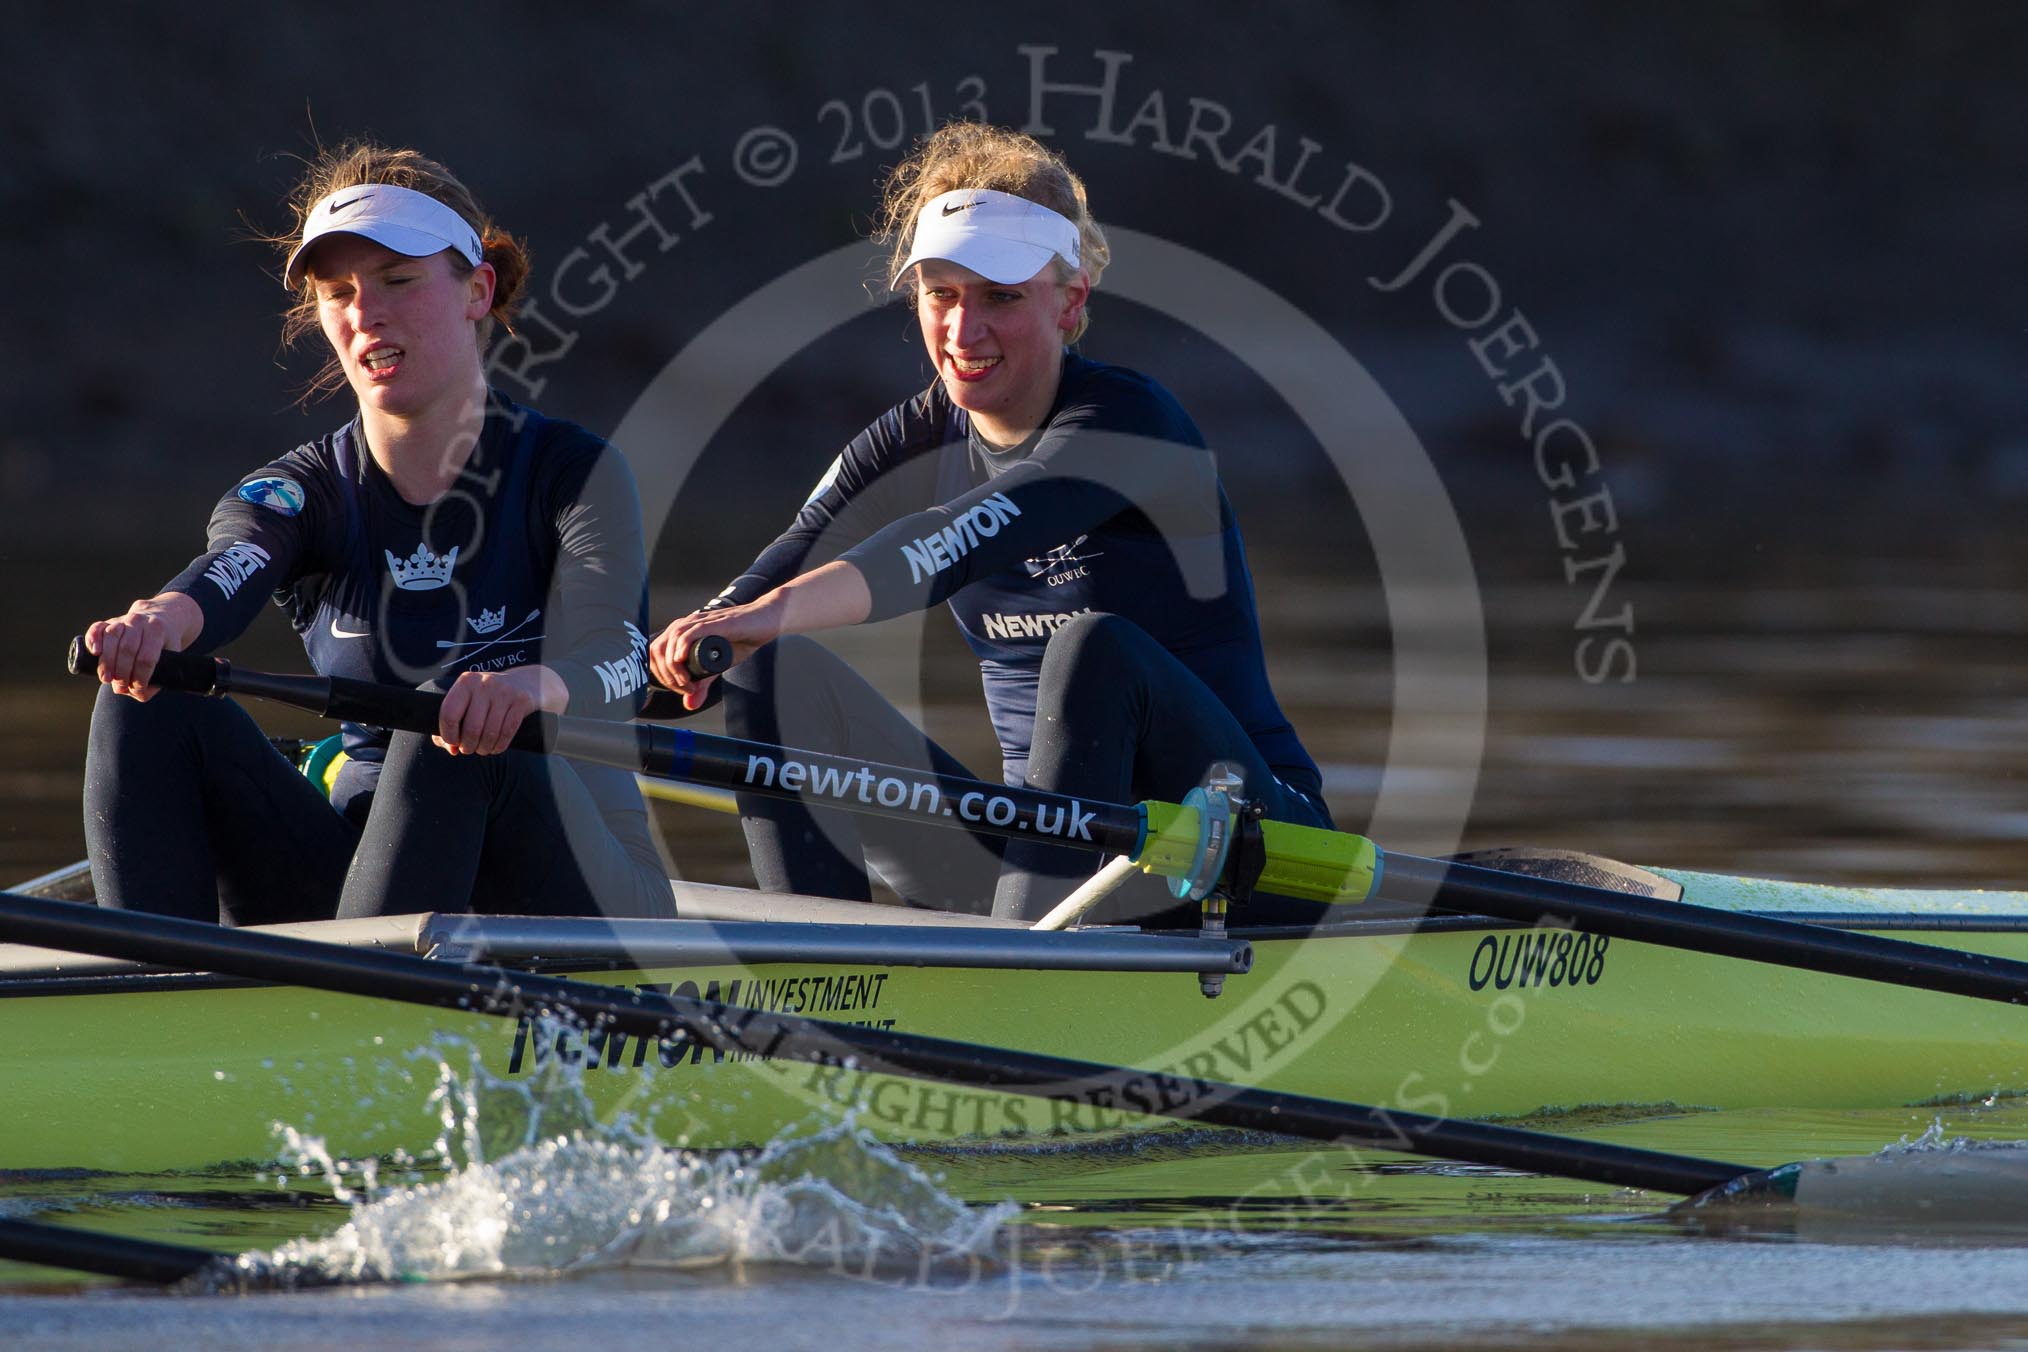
x=534, y=556
x=1113, y=505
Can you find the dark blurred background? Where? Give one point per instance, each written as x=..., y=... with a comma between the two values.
x=1771, y=248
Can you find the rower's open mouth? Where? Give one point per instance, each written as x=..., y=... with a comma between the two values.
x=971, y=368
x=382, y=360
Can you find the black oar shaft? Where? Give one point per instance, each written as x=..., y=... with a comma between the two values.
x=759, y=768
x=168, y=941
x=137, y=1260
x=1703, y=929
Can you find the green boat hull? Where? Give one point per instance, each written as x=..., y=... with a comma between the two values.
x=148, y=1073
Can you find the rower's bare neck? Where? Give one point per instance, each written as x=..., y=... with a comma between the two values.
x=1009, y=429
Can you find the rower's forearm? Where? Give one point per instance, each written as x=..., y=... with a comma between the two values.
x=831, y=597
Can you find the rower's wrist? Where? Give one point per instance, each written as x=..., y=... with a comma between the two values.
x=544, y=685
x=775, y=614
x=552, y=693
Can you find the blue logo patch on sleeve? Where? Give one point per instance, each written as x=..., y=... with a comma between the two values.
x=274, y=493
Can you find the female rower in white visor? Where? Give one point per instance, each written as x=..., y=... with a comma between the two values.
x=442, y=536
x=1068, y=513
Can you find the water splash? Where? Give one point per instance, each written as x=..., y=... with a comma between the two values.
x=1933, y=1139
x=539, y=1185
x=835, y=1199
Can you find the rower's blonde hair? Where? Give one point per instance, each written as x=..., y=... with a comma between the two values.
x=355, y=162
x=976, y=155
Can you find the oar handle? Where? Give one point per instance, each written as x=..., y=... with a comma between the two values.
x=709, y=656
x=333, y=696
x=192, y=672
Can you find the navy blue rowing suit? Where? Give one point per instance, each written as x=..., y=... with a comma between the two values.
x=1097, y=571
x=533, y=556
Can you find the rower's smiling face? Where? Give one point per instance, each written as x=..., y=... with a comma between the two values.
x=997, y=347
x=403, y=328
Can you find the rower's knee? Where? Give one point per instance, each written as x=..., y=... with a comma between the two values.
x=112, y=717
x=125, y=730
x=412, y=756
x=1092, y=647
x=168, y=709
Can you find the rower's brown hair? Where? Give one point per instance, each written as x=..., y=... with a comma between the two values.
x=977, y=155
x=355, y=162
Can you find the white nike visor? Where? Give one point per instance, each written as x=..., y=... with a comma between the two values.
x=406, y=221
x=1003, y=238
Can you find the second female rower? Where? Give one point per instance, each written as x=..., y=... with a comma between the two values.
x=1071, y=517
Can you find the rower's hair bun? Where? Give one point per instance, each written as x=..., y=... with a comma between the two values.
x=509, y=257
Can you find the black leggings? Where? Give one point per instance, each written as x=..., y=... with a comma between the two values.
x=1118, y=719
x=190, y=812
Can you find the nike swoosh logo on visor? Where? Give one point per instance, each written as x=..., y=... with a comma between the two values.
x=337, y=207
x=953, y=208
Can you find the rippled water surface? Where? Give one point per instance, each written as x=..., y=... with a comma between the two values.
x=1154, y=1239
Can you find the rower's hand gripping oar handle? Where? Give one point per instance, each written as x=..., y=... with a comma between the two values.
x=201, y=675
x=708, y=656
